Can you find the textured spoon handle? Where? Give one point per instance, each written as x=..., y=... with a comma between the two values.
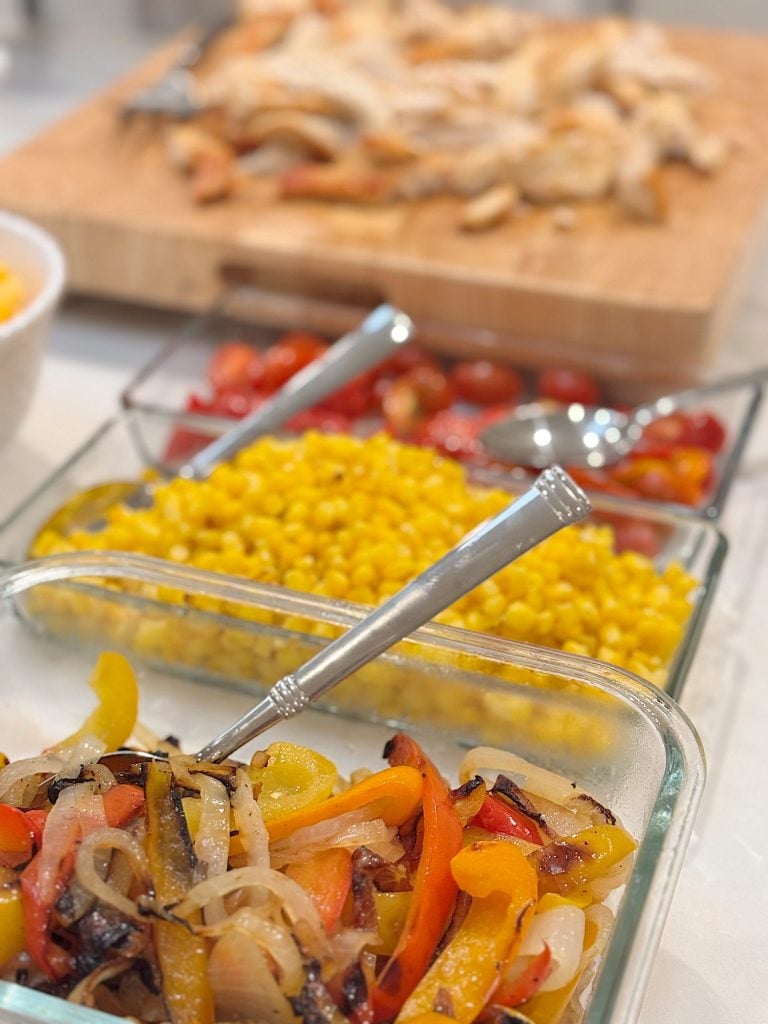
x=378, y=335
x=551, y=503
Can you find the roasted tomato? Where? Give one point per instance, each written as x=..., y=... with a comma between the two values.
x=232, y=366
x=483, y=382
x=568, y=386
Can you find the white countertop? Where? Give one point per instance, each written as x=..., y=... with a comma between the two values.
x=712, y=965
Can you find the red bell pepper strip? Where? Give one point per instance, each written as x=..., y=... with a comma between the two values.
x=121, y=803
x=434, y=889
x=496, y=816
x=527, y=984
x=17, y=837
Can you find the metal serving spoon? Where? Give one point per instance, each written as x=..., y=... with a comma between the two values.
x=551, y=503
x=383, y=330
x=581, y=435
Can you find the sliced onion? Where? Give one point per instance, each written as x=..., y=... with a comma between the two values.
x=243, y=985
x=348, y=944
x=250, y=822
x=294, y=901
x=29, y=769
x=349, y=831
x=78, y=812
x=562, y=929
x=488, y=762
x=212, y=840
x=84, y=993
x=89, y=877
x=257, y=927
x=562, y=820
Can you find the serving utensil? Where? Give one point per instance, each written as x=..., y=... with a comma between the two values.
x=381, y=332
x=592, y=436
x=552, y=502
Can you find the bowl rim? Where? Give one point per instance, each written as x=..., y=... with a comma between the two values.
x=52, y=287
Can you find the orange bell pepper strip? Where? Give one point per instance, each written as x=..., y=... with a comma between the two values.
x=183, y=957
x=503, y=886
x=434, y=888
x=327, y=878
x=393, y=795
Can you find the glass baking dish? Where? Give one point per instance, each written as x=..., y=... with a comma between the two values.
x=179, y=370
x=648, y=766
x=124, y=447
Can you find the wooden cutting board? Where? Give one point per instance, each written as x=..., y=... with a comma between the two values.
x=628, y=299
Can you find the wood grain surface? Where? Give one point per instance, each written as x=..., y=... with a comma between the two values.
x=622, y=297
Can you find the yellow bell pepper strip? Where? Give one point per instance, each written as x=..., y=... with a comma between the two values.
x=434, y=887
x=183, y=957
x=567, y=866
x=391, y=914
x=327, y=878
x=12, y=938
x=394, y=795
x=293, y=778
x=503, y=887
x=114, y=718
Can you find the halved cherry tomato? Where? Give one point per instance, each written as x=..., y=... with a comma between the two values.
x=503, y=819
x=405, y=358
x=486, y=383
x=281, y=361
x=703, y=430
x=231, y=366
x=650, y=478
x=355, y=398
x=635, y=535
x=409, y=399
x=568, y=386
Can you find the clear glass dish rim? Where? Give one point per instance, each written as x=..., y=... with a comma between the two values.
x=617, y=994
x=199, y=327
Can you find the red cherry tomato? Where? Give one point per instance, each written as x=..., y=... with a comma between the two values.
x=355, y=398
x=405, y=358
x=432, y=386
x=289, y=355
x=703, y=430
x=568, y=386
x=231, y=366
x=486, y=383
x=669, y=430
x=320, y=419
x=453, y=433
x=635, y=535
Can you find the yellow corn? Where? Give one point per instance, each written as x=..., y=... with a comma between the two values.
x=355, y=519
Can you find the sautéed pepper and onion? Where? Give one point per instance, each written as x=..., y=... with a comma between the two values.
x=276, y=891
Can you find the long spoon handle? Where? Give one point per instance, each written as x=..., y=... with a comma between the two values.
x=667, y=404
x=551, y=503
x=382, y=331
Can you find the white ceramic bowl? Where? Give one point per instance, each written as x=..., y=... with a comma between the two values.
x=32, y=254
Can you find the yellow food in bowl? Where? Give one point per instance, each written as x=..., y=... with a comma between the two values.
x=11, y=293
x=356, y=519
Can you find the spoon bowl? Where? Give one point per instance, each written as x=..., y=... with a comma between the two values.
x=580, y=435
